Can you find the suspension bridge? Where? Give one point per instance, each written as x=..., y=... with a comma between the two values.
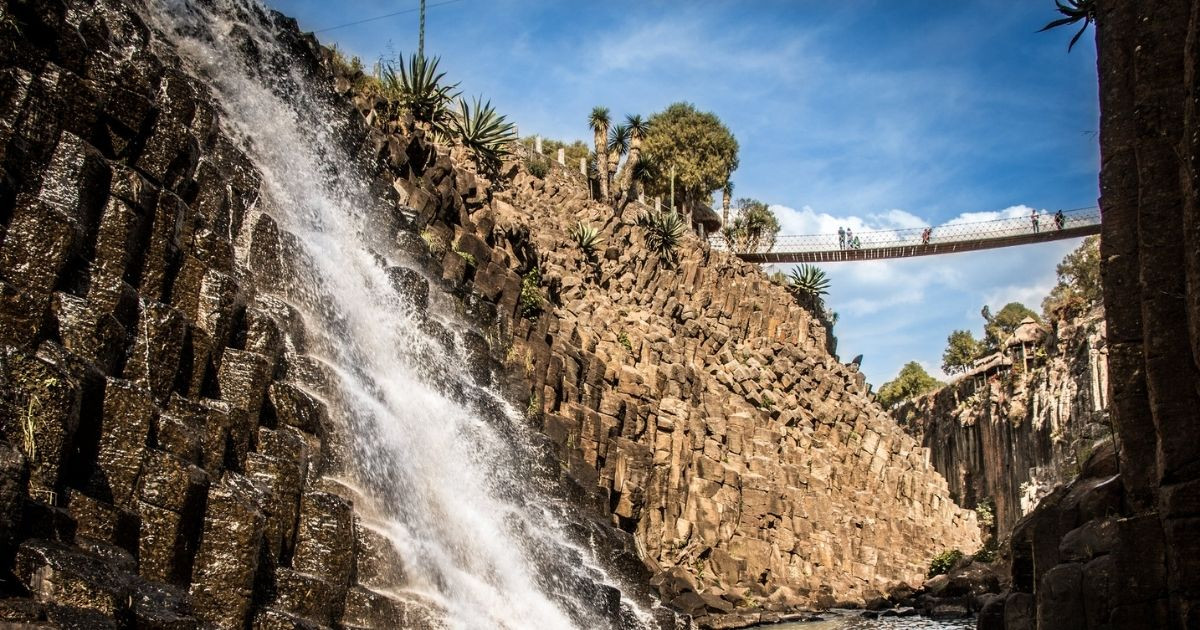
x=950, y=238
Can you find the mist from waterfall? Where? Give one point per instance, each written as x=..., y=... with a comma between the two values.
x=445, y=465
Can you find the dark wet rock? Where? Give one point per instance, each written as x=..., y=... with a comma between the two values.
x=40, y=404
x=325, y=537
x=294, y=407
x=129, y=411
x=378, y=562
x=227, y=560
x=307, y=596
x=157, y=349
x=90, y=332
x=172, y=483
x=243, y=380
x=56, y=574
x=410, y=284
x=102, y=521
x=283, y=477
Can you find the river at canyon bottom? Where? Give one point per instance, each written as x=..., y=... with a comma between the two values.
x=853, y=620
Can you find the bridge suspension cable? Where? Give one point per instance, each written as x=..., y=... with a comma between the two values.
x=958, y=236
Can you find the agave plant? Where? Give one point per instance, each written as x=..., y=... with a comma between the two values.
x=483, y=130
x=664, y=231
x=1074, y=10
x=809, y=281
x=586, y=237
x=420, y=88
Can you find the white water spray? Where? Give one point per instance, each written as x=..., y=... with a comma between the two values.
x=449, y=487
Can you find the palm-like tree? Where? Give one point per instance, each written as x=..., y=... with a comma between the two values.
x=643, y=172
x=618, y=146
x=1074, y=10
x=599, y=121
x=726, y=200
x=637, y=130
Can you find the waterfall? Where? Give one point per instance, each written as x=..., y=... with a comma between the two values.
x=444, y=466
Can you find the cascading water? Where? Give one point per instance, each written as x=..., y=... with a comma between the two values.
x=444, y=464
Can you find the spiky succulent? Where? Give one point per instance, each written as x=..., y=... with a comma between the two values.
x=586, y=237
x=420, y=88
x=1074, y=10
x=618, y=139
x=646, y=169
x=483, y=130
x=809, y=281
x=664, y=231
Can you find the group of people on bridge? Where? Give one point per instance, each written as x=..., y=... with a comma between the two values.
x=847, y=239
x=1060, y=220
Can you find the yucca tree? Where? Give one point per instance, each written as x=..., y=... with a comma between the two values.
x=599, y=121
x=644, y=172
x=809, y=281
x=618, y=146
x=420, y=89
x=484, y=131
x=637, y=131
x=726, y=201
x=1074, y=10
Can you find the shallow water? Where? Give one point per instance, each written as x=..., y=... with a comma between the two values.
x=853, y=621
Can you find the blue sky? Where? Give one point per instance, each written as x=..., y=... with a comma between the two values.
x=860, y=113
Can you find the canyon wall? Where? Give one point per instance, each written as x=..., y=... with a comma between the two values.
x=696, y=402
x=1008, y=432
x=1118, y=548
x=175, y=455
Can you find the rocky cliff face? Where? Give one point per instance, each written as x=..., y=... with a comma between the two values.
x=1007, y=433
x=180, y=443
x=1117, y=548
x=180, y=447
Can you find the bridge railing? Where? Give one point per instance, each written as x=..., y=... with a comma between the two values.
x=946, y=233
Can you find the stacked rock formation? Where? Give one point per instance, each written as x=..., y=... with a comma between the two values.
x=166, y=461
x=1118, y=547
x=697, y=403
x=1007, y=435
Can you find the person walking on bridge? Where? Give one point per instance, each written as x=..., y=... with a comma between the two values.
x=925, y=234
x=1033, y=217
x=841, y=237
x=1060, y=221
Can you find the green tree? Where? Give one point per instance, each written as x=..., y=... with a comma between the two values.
x=998, y=327
x=753, y=229
x=912, y=381
x=697, y=144
x=1078, y=280
x=598, y=121
x=961, y=351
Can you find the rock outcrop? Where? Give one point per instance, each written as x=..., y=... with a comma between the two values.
x=1021, y=423
x=1117, y=548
